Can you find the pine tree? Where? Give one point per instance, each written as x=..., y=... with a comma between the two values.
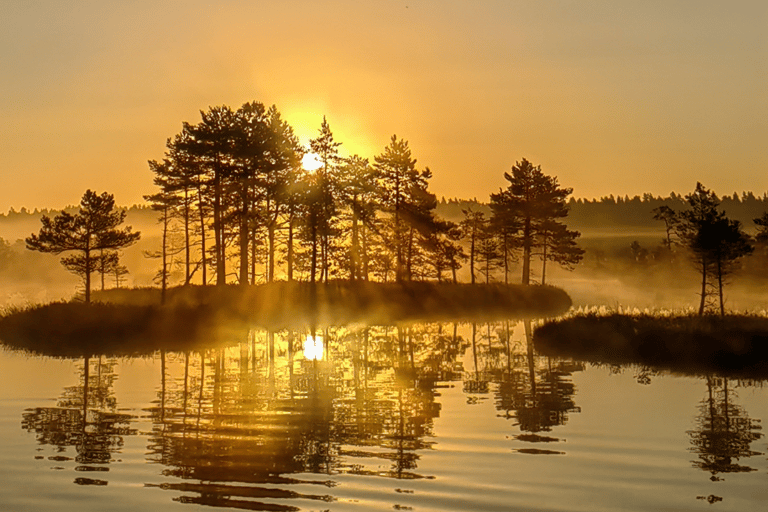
x=93, y=229
x=715, y=241
x=531, y=199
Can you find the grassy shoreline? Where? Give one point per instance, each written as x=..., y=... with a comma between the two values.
x=733, y=345
x=132, y=322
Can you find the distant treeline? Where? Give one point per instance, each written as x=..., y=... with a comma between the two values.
x=604, y=212
x=625, y=211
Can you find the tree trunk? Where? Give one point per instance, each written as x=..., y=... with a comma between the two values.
x=506, y=256
x=164, y=276
x=472, y=257
x=703, y=285
x=254, y=250
x=87, y=276
x=203, y=256
x=364, y=236
x=101, y=268
x=313, y=269
x=544, y=263
x=720, y=284
x=409, y=262
x=187, y=254
x=218, y=229
x=244, y=239
x=289, y=256
x=354, y=256
x=271, y=255
x=526, y=251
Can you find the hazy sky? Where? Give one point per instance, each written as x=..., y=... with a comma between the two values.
x=613, y=97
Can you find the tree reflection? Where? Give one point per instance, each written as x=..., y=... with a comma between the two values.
x=85, y=418
x=536, y=391
x=724, y=431
x=257, y=415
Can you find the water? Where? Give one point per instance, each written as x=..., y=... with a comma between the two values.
x=418, y=418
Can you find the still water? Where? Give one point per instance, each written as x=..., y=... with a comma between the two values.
x=426, y=418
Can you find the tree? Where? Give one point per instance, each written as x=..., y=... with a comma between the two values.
x=163, y=203
x=404, y=197
x=357, y=192
x=93, y=229
x=472, y=226
x=762, y=228
x=558, y=244
x=531, y=199
x=715, y=241
x=489, y=249
x=326, y=183
x=671, y=219
x=447, y=252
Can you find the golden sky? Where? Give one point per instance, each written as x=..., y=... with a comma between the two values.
x=614, y=97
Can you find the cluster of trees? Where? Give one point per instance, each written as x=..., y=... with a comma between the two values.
x=715, y=242
x=232, y=188
x=233, y=193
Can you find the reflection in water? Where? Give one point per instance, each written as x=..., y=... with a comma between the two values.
x=249, y=416
x=85, y=419
x=534, y=390
x=259, y=426
x=724, y=431
x=265, y=425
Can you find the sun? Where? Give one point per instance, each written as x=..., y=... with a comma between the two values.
x=311, y=162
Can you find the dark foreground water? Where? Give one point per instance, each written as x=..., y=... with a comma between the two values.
x=419, y=419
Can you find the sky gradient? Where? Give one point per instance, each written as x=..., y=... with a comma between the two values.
x=613, y=97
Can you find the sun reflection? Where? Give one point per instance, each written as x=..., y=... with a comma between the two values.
x=313, y=347
x=311, y=162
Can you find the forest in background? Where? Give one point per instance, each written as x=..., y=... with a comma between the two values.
x=606, y=214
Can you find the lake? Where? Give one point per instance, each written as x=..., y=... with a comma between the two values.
x=433, y=417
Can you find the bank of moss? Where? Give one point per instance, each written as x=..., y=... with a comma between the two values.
x=132, y=321
x=75, y=329
x=735, y=345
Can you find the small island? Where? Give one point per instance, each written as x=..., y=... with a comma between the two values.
x=132, y=322
x=733, y=345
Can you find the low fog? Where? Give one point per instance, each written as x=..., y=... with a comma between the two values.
x=621, y=268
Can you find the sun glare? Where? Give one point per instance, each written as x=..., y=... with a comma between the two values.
x=311, y=162
x=313, y=347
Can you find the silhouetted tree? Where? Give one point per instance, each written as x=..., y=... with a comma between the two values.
x=93, y=229
x=404, y=197
x=447, y=252
x=488, y=250
x=671, y=220
x=327, y=191
x=531, y=199
x=715, y=241
x=163, y=203
x=277, y=187
x=212, y=143
x=558, y=244
x=472, y=226
x=106, y=263
x=358, y=193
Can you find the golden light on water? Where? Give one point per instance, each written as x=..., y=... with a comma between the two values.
x=313, y=347
x=311, y=162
